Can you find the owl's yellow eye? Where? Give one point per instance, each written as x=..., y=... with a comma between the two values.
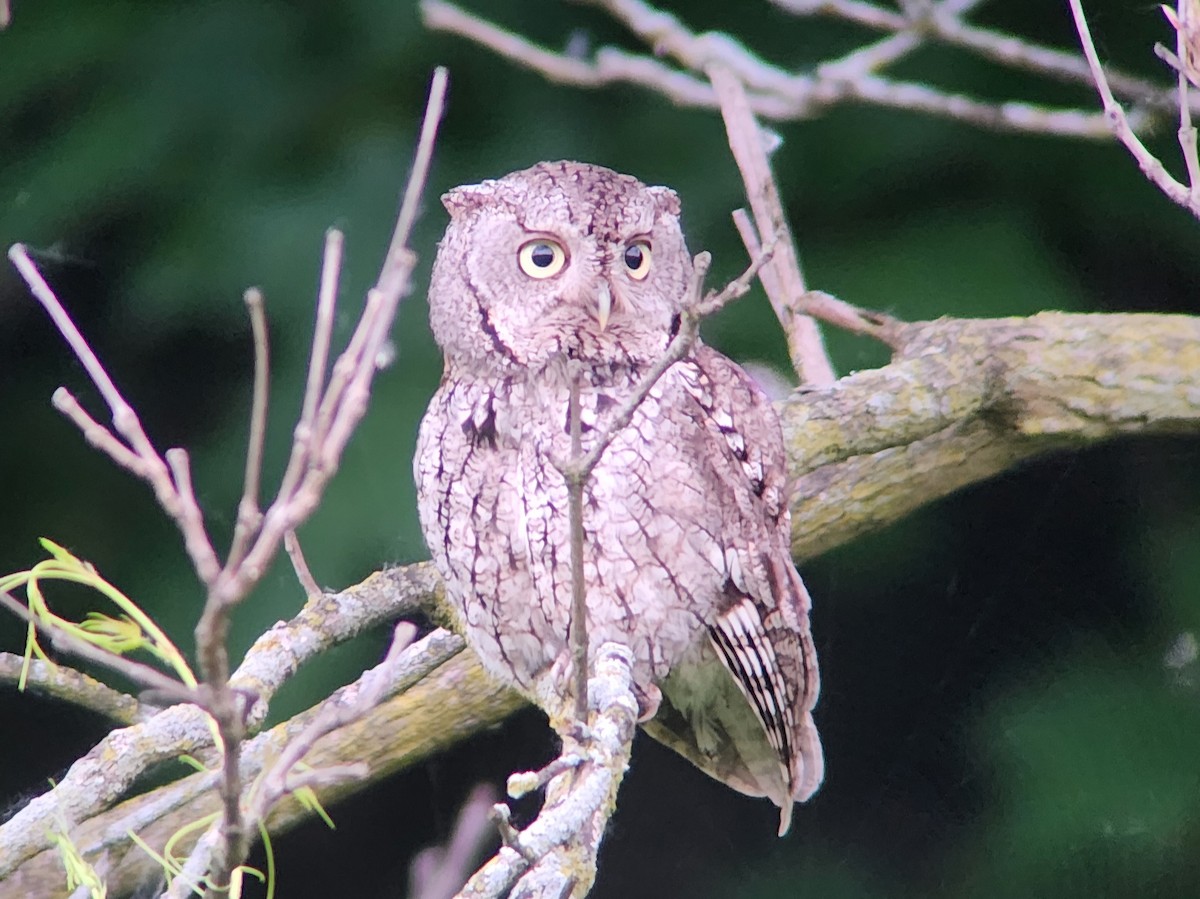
x=541, y=258
x=637, y=259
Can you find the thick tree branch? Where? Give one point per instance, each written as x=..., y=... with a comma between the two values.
x=967, y=399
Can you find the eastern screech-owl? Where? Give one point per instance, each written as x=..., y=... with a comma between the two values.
x=686, y=523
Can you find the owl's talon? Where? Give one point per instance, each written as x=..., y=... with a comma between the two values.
x=577, y=732
x=649, y=698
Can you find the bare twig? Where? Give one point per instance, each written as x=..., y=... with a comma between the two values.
x=944, y=24
x=371, y=687
x=314, y=459
x=857, y=11
x=305, y=433
x=772, y=91
x=1186, y=23
x=331, y=270
x=694, y=310
x=249, y=516
x=1119, y=124
x=96, y=434
x=576, y=479
x=150, y=466
x=780, y=275
x=525, y=782
x=439, y=871
x=291, y=544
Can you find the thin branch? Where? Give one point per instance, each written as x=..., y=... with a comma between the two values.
x=857, y=11
x=781, y=275
x=1187, y=30
x=304, y=435
x=97, y=435
x=152, y=468
x=331, y=272
x=314, y=459
x=249, y=516
x=576, y=479
x=694, y=310
x=1119, y=124
x=819, y=304
x=189, y=518
x=944, y=24
x=291, y=544
x=439, y=871
x=372, y=686
x=69, y=685
x=895, y=47
x=416, y=185
x=145, y=676
x=773, y=92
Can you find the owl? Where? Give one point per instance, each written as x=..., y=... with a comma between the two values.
x=571, y=273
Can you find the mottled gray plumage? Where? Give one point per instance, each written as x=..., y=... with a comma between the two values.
x=686, y=522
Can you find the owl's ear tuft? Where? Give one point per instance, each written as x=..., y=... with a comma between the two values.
x=463, y=199
x=666, y=201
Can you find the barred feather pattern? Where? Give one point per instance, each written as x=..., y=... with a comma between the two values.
x=686, y=526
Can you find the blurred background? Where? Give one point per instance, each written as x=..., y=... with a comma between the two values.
x=1011, y=701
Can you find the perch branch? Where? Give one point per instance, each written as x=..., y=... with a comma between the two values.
x=966, y=399
x=556, y=854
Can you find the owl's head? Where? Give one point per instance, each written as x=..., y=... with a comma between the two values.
x=562, y=259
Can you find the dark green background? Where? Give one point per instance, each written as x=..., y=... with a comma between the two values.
x=997, y=715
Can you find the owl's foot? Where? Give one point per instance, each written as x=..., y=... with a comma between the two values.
x=649, y=698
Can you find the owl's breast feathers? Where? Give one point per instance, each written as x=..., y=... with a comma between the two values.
x=687, y=554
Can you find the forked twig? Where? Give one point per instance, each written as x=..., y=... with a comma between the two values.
x=1151, y=167
x=780, y=275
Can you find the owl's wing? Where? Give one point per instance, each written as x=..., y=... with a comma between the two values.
x=752, y=727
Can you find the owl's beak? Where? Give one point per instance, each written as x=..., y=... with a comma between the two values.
x=604, y=305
